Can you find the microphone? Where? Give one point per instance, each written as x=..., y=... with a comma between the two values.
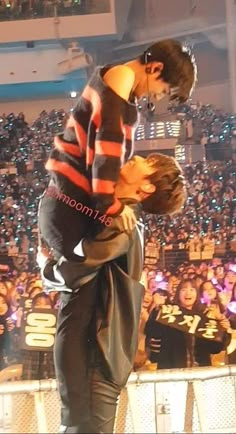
x=150, y=106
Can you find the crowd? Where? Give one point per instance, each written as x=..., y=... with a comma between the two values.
x=208, y=224
x=28, y=9
x=206, y=229
x=20, y=293
x=203, y=124
x=23, y=180
x=206, y=289
x=215, y=129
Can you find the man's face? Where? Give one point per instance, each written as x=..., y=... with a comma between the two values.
x=136, y=170
x=158, y=88
x=152, y=84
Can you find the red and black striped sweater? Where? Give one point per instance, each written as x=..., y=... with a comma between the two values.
x=97, y=140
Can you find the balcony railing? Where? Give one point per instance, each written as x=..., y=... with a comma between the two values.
x=29, y=9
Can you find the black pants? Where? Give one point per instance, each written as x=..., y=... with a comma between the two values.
x=104, y=399
x=60, y=226
x=88, y=397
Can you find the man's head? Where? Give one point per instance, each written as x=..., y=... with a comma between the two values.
x=169, y=68
x=157, y=181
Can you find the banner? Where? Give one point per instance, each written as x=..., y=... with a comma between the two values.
x=38, y=329
x=197, y=324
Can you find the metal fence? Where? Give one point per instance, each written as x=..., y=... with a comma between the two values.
x=198, y=400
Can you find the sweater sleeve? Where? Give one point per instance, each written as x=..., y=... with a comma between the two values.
x=108, y=154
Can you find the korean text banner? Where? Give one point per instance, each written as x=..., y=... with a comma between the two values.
x=38, y=329
x=197, y=323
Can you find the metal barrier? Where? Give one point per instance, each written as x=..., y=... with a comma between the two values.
x=199, y=400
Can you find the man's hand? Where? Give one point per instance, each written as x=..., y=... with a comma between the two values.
x=128, y=218
x=42, y=256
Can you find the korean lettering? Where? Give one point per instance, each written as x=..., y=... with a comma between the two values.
x=191, y=321
x=170, y=312
x=210, y=329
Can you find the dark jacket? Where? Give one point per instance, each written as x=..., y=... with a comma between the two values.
x=232, y=350
x=117, y=258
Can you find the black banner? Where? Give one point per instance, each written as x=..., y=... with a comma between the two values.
x=197, y=324
x=38, y=329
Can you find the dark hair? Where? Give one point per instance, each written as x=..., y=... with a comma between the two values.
x=201, y=288
x=180, y=69
x=198, y=276
x=32, y=290
x=39, y=296
x=217, y=298
x=161, y=291
x=171, y=193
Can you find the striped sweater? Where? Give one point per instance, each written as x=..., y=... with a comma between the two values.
x=97, y=140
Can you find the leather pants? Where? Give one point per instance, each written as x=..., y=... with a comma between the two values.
x=88, y=398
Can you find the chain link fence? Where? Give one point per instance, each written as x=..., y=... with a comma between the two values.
x=198, y=400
